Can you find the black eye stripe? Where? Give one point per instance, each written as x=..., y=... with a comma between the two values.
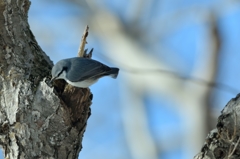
x=64, y=69
x=60, y=73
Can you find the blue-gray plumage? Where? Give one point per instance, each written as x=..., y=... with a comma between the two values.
x=81, y=72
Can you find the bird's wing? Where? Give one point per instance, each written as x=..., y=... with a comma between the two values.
x=82, y=69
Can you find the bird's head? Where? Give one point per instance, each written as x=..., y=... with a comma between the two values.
x=59, y=70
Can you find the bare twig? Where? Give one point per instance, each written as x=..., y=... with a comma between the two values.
x=83, y=42
x=233, y=137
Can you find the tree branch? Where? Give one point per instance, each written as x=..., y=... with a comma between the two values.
x=83, y=42
x=36, y=121
x=223, y=142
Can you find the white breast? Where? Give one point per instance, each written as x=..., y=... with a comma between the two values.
x=82, y=84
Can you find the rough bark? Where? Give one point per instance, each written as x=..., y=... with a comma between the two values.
x=36, y=120
x=223, y=142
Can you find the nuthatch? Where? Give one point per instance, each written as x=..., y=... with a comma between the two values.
x=81, y=72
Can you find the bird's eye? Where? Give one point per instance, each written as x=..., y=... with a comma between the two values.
x=65, y=68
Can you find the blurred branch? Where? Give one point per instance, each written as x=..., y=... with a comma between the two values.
x=215, y=44
x=159, y=72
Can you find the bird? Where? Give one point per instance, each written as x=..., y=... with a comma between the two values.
x=82, y=72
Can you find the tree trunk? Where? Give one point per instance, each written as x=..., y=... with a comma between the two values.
x=224, y=141
x=36, y=120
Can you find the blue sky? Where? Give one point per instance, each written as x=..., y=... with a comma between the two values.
x=58, y=27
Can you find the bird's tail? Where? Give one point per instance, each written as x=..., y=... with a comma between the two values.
x=113, y=72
